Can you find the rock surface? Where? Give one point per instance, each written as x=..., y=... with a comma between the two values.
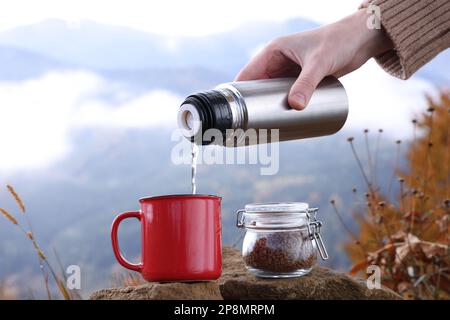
x=162, y=291
x=237, y=283
x=320, y=283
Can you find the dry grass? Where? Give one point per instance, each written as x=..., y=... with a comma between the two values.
x=408, y=238
x=48, y=272
x=126, y=279
x=16, y=198
x=9, y=216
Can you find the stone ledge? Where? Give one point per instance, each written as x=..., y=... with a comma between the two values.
x=162, y=291
x=237, y=283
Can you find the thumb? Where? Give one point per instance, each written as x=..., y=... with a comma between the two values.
x=303, y=88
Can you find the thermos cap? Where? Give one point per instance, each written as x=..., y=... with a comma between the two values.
x=189, y=121
x=203, y=111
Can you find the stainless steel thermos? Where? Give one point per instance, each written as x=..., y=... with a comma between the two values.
x=259, y=107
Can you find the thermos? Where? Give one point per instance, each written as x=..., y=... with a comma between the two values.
x=260, y=106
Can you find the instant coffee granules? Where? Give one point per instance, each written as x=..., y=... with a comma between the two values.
x=281, y=252
x=282, y=239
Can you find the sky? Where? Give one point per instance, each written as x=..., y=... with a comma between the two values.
x=172, y=17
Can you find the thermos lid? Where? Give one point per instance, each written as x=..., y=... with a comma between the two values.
x=202, y=111
x=189, y=121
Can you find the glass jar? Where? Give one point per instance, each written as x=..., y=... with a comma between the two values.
x=281, y=240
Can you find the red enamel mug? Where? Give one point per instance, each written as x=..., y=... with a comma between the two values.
x=181, y=238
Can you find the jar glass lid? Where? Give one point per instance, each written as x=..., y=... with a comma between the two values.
x=277, y=207
x=284, y=215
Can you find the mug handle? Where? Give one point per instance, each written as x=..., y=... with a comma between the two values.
x=115, y=242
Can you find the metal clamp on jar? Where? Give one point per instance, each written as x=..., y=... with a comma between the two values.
x=281, y=239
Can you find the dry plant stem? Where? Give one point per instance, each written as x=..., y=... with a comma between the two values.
x=412, y=198
x=369, y=186
x=389, y=234
x=411, y=222
x=397, y=160
x=73, y=293
x=355, y=239
x=59, y=283
x=358, y=208
x=39, y=255
x=369, y=155
x=402, y=196
x=40, y=261
x=342, y=221
x=45, y=276
x=60, y=265
x=356, y=202
x=427, y=157
x=371, y=206
x=375, y=164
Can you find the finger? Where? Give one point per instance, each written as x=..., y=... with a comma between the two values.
x=303, y=88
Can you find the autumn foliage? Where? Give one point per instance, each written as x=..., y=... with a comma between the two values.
x=408, y=236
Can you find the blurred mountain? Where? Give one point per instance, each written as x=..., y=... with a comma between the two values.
x=137, y=56
x=22, y=64
x=18, y=64
x=179, y=80
x=99, y=46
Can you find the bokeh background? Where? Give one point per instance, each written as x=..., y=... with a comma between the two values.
x=89, y=92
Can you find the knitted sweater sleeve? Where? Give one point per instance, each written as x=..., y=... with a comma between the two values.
x=419, y=30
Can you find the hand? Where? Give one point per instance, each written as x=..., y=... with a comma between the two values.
x=335, y=49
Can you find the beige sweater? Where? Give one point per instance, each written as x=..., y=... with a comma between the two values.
x=419, y=30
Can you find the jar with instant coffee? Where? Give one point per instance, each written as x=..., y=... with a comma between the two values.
x=281, y=240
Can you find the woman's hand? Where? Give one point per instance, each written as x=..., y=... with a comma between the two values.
x=335, y=49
